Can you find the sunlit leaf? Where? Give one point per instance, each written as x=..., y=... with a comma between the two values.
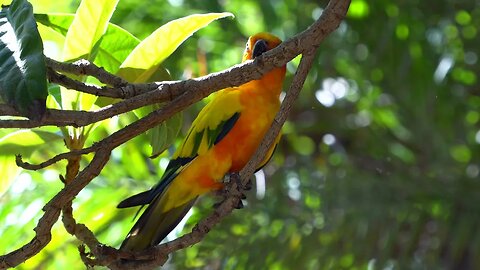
x=23, y=79
x=9, y=170
x=145, y=58
x=59, y=22
x=23, y=142
x=115, y=45
x=88, y=26
x=86, y=29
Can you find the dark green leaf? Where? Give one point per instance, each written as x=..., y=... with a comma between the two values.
x=23, y=79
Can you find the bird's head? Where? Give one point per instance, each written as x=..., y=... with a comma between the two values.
x=258, y=44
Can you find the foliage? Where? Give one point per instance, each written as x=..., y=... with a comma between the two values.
x=23, y=78
x=378, y=167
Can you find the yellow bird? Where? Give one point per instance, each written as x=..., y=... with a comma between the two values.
x=222, y=139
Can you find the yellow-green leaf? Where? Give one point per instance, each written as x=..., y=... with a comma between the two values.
x=88, y=26
x=23, y=142
x=9, y=170
x=146, y=57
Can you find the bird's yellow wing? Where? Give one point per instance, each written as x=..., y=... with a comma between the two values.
x=213, y=122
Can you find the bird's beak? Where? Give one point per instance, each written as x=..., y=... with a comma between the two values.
x=260, y=47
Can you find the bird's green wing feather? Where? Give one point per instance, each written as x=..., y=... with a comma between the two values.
x=212, y=124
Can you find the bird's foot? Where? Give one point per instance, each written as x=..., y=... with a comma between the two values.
x=234, y=187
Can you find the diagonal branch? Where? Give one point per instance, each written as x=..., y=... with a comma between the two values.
x=182, y=94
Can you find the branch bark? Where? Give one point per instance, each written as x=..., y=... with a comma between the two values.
x=180, y=94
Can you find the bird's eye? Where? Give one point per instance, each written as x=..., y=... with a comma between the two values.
x=260, y=47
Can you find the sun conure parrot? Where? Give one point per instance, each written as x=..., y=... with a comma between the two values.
x=222, y=139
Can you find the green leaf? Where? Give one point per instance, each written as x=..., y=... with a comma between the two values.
x=23, y=78
x=82, y=40
x=88, y=26
x=59, y=22
x=162, y=136
x=55, y=98
x=23, y=142
x=9, y=170
x=52, y=42
x=115, y=45
x=147, y=56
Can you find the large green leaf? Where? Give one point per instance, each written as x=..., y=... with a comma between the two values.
x=146, y=57
x=25, y=142
x=23, y=79
x=115, y=45
x=88, y=26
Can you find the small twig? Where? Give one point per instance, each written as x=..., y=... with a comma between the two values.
x=92, y=89
x=84, y=67
x=55, y=159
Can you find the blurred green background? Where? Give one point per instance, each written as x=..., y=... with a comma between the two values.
x=378, y=167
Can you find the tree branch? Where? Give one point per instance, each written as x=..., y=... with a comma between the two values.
x=151, y=93
x=181, y=94
x=92, y=89
x=84, y=67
